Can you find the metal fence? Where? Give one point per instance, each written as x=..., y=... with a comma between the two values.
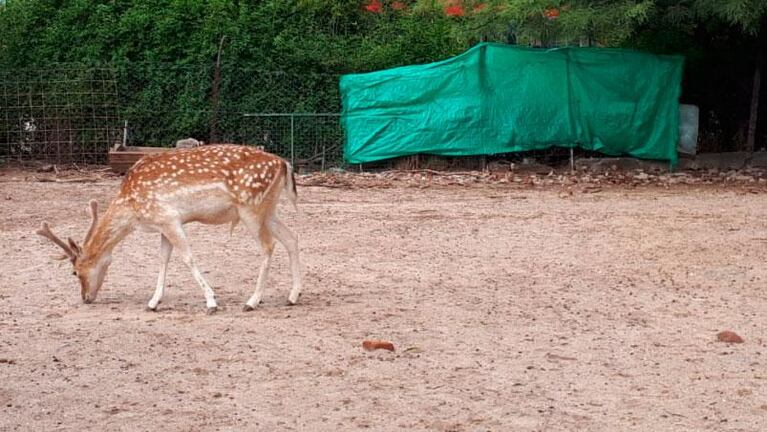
x=313, y=139
x=293, y=115
x=66, y=115
x=74, y=114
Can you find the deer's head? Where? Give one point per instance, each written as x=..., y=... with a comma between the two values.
x=90, y=266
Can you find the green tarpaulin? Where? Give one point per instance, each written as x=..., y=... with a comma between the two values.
x=497, y=99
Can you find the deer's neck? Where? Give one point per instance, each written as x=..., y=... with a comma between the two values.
x=113, y=226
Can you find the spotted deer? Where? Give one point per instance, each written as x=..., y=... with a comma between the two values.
x=212, y=184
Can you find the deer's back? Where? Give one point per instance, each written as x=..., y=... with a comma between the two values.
x=200, y=182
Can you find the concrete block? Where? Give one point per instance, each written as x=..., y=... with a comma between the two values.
x=758, y=160
x=722, y=161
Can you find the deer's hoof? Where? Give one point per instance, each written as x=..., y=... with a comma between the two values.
x=151, y=309
x=293, y=300
x=211, y=310
x=247, y=308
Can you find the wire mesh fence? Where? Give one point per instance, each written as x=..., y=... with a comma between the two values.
x=293, y=115
x=67, y=115
x=307, y=139
x=75, y=114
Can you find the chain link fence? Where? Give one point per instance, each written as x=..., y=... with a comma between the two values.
x=74, y=114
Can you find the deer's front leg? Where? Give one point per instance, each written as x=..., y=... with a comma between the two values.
x=165, y=250
x=177, y=237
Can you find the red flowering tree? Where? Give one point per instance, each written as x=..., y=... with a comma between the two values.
x=450, y=8
x=374, y=6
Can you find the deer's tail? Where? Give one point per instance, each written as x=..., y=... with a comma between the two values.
x=290, y=184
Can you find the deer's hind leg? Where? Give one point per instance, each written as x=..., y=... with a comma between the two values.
x=289, y=240
x=261, y=231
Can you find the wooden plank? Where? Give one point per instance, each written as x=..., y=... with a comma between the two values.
x=133, y=149
x=123, y=158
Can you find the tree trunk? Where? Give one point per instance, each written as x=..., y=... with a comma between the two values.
x=754, y=118
x=214, y=97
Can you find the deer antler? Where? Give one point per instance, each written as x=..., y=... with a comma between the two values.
x=45, y=231
x=74, y=246
x=94, y=206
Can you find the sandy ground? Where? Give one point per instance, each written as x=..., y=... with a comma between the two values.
x=512, y=309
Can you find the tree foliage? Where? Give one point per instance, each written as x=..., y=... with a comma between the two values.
x=301, y=35
x=332, y=36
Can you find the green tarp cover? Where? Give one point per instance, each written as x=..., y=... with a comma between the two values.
x=498, y=99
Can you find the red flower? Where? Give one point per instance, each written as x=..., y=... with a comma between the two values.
x=551, y=14
x=454, y=10
x=398, y=5
x=374, y=6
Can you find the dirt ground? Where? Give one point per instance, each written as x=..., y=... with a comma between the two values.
x=512, y=308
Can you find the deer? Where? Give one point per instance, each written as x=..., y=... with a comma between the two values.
x=214, y=184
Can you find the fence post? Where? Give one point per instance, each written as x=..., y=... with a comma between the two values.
x=572, y=161
x=292, y=139
x=125, y=134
